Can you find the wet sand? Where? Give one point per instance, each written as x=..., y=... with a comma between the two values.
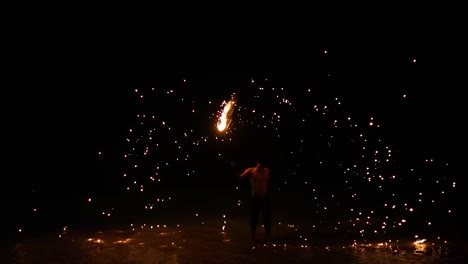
x=206, y=241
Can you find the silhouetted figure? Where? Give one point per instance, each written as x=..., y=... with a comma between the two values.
x=259, y=177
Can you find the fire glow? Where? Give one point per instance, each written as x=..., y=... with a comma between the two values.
x=225, y=119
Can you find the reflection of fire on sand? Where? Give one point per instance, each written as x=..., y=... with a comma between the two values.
x=202, y=239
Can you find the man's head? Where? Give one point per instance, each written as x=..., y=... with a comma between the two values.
x=260, y=159
x=259, y=163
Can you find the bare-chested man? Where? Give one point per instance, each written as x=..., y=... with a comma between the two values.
x=259, y=177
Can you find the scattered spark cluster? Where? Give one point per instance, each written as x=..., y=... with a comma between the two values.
x=373, y=190
x=352, y=179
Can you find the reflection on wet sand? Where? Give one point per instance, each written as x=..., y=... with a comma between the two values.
x=210, y=243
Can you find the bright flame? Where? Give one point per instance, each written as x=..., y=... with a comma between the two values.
x=419, y=241
x=420, y=246
x=126, y=241
x=224, y=119
x=95, y=240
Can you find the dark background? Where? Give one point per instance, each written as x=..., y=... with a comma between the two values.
x=59, y=116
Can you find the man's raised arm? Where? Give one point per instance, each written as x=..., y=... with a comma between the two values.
x=245, y=173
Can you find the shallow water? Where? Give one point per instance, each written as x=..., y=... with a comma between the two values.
x=207, y=242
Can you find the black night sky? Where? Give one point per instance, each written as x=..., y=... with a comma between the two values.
x=347, y=133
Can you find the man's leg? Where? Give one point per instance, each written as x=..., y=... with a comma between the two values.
x=254, y=216
x=266, y=215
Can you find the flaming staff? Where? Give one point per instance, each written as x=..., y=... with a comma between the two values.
x=225, y=118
